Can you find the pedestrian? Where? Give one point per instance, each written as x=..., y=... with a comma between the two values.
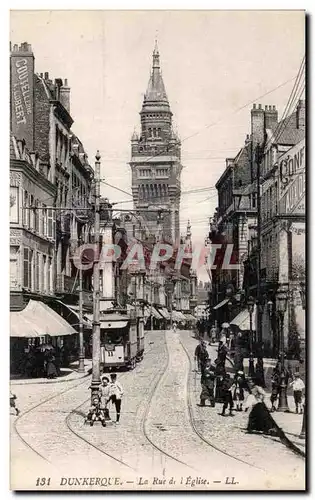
x=116, y=393
x=95, y=413
x=13, y=403
x=208, y=384
x=201, y=355
x=227, y=388
x=298, y=387
x=275, y=385
x=259, y=419
x=238, y=390
x=51, y=370
x=105, y=393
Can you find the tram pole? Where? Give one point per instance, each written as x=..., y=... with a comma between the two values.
x=96, y=339
x=81, y=338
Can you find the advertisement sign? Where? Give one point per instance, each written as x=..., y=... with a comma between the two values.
x=22, y=98
x=292, y=180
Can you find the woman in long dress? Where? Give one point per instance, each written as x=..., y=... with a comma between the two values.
x=259, y=419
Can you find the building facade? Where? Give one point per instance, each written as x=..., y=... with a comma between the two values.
x=52, y=180
x=277, y=190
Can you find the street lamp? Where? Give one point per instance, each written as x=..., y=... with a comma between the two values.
x=250, y=308
x=282, y=299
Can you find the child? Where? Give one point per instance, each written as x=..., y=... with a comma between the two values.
x=95, y=412
x=105, y=393
x=116, y=392
x=12, y=403
x=227, y=387
x=298, y=387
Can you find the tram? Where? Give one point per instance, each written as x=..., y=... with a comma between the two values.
x=122, y=340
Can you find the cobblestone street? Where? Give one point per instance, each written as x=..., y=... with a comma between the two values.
x=163, y=432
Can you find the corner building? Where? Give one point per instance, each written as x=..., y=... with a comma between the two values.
x=156, y=160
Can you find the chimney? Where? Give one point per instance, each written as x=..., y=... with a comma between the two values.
x=58, y=85
x=257, y=124
x=300, y=115
x=271, y=117
x=22, y=93
x=46, y=75
x=65, y=96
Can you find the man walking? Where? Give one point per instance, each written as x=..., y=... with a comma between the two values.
x=116, y=393
x=201, y=355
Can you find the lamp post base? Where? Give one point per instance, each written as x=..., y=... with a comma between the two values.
x=302, y=434
x=283, y=401
x=81, y=368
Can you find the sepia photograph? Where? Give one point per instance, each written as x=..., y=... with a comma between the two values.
x=157, y=250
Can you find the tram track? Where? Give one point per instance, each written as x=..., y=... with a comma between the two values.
x=157, y=382
x=143, y=423
x=35, y=407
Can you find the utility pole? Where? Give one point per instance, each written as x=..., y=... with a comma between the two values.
x=81, y=351
x=260, y=354
x=96, y=343
x=151, y=295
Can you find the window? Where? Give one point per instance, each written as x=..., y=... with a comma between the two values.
x=14, y=279
x=27, y=268
x=44, y=274
x=254, y=200
x=37, y=272
x=36, y=216
x=51, y=223
x=49, y=275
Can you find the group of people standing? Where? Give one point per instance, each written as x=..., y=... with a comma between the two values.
x=43, y=362
x=218, y=386
x=110, y=391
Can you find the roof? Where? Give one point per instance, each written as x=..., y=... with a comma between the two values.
x=156, y=89
x=288, y=133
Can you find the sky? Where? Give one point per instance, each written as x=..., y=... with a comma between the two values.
x=213, y=63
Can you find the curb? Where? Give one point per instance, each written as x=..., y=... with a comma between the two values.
x=53, y=381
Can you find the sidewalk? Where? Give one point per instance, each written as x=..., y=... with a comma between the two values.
x=67, y=374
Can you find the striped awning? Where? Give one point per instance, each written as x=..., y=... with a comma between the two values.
x=242, y=320
x=178, y=316
x=221, y=304
x=155, y=313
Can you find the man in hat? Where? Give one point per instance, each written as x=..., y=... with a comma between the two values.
x=116, y=393
x=201, y=355
x=298, y=387
x=208, y=384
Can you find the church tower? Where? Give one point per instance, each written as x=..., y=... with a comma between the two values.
x=156, y=160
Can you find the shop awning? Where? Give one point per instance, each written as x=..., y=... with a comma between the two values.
x=190, y=317
x=74, y=313
x=221, y=304
x=37, y=320
x=242, y=320
x=146, y=312
x=164, y=313
x=178, y=316
x=155, y=314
